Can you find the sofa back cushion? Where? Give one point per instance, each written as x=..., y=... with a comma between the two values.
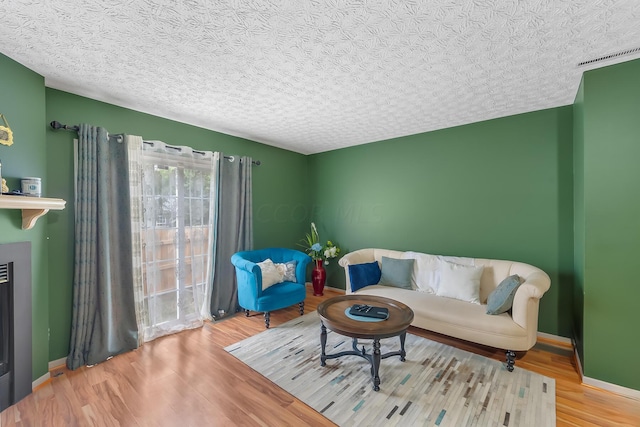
x=379, y=253
x=495, y=271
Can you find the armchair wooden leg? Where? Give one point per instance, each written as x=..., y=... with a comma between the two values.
x=267, y=316
x=246, y=313
x=301, y=308
x=511, y=360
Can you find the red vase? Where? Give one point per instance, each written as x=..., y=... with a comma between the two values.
x=318, y=277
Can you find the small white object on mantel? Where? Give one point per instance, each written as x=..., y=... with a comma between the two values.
x=32, y=207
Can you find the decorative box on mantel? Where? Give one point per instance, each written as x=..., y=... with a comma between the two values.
x=32, y=207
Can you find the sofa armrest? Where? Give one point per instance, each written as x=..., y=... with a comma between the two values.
x=526, y=302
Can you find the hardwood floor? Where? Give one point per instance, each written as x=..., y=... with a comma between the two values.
x=187, y=379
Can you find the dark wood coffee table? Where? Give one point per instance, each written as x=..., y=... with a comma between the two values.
x=332, y=316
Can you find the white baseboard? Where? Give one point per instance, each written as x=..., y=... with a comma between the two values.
x=613, y=388
x=52, y=365
x=57, y=363
x=603, y=385
x=558, y=338
x=40, y=380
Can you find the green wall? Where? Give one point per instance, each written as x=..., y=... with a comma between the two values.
x=578, y=226
x=611, y=177
x=495, y=189
x=279, y=187
x=22, y=101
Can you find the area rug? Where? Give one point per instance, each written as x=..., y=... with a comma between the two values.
x=437, y=384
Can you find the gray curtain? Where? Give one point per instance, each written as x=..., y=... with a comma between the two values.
x=234, y=231
x=104, y=320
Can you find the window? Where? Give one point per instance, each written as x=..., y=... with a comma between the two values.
x=177, y=207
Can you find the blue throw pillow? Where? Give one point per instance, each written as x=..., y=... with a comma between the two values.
x=362, y=275
x=289, y=270
x=396, y=272
x=501, y=299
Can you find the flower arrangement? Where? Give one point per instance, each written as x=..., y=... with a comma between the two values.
x=330, y=251
x=315, y=249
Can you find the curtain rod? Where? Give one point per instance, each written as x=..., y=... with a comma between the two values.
x=57, y=125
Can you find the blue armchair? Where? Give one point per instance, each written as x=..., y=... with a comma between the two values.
x=251, y=296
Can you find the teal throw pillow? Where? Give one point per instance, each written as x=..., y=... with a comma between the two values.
x=290, y=271
x=397, y=272
x=501, y=299
x=365, y=274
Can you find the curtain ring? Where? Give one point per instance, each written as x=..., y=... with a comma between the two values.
x=231, y=159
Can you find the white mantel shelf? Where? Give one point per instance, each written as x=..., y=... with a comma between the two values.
x=32, y=207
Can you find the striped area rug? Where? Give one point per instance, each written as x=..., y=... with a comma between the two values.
x=437, y=385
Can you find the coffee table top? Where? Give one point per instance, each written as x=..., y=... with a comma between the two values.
x=332, y=313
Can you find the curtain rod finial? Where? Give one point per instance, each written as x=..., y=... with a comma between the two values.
x=57, y=125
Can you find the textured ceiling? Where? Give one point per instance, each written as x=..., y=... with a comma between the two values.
x=317, y=75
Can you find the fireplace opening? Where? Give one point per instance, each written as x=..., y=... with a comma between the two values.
x=15, y=323
x=4, y=329
x=6, y=342
x=5, y=318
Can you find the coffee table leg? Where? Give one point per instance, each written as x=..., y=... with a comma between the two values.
x=376, y=364
x=402, y=352
x=323, y=343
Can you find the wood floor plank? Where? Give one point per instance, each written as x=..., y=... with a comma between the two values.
x=187, y=379
x=67, y=399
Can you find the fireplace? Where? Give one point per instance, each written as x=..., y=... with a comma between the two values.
x=15, y=322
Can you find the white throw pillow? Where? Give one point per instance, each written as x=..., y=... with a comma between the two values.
x=425, y=275
x=457, y=260
x=271, y=274
x=460, y=282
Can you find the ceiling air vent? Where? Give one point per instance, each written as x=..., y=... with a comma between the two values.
x=4, y=273
x=610, y=56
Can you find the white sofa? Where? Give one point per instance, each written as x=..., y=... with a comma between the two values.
x=512, y=331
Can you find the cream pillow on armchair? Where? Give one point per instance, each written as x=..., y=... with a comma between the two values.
x=271, y=274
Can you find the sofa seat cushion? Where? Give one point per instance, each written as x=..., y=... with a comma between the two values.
x=456, y=318
x=281, y=294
